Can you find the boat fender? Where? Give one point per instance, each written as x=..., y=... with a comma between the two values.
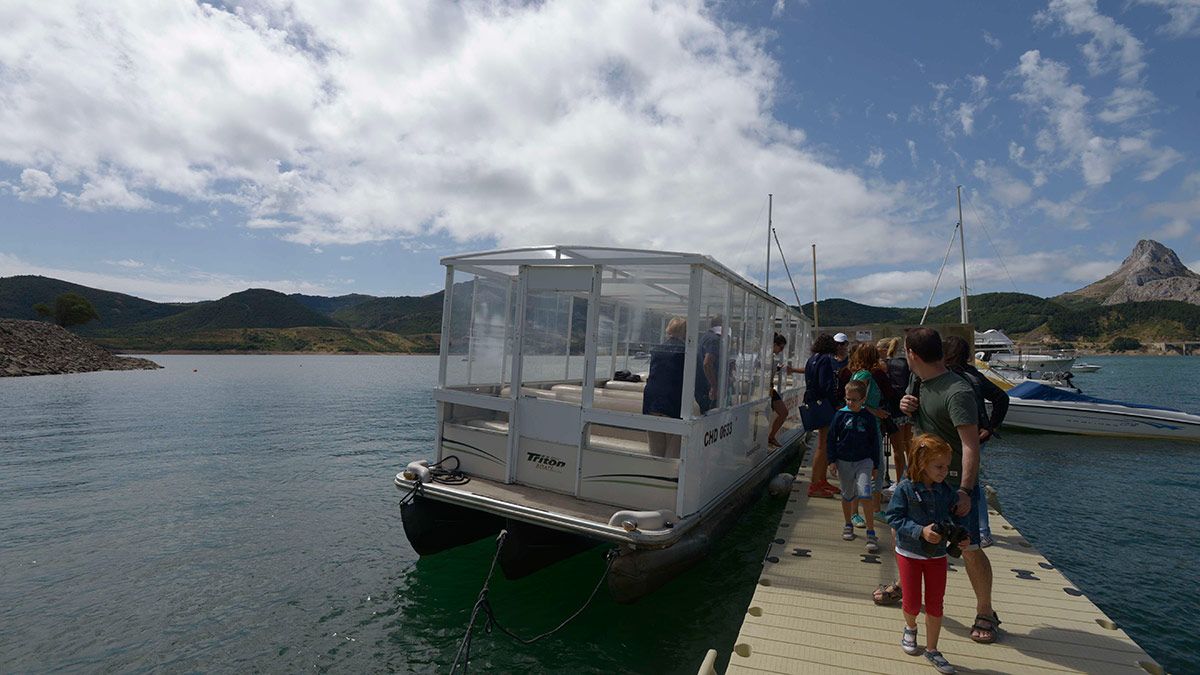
x=781, y=484
x=418, y=471
x=643, y=520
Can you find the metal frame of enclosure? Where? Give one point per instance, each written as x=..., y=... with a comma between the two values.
x=532, y=338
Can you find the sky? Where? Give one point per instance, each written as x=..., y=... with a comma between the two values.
x=183, y=151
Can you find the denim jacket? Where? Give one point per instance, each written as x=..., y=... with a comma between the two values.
x=914, y=506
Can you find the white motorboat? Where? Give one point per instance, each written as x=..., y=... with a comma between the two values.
x=998, y=349
x=1037, y=406
x=539, y=435
x=1084, y=368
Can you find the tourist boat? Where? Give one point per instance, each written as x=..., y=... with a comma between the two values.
x=1037, y=406
x=547, y=432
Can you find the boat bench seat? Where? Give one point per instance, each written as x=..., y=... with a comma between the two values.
x=602, y=438
x=618, y=385
x=489, y=425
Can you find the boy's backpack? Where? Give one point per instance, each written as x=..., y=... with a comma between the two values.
x=976, y=388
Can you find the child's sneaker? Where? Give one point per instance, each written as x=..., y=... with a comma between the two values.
x=938, y=661
x=872, y=542
x=848, y=532
x=908, y=641
x=857, y=521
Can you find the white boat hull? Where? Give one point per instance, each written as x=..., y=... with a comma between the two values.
x=1102, y=420
x=1034, y=362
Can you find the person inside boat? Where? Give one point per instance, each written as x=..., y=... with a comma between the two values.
x=943, y=404
x=710, y=359
x=663, y=395
x=958, y=359
x=820, y=392
x=780, y=369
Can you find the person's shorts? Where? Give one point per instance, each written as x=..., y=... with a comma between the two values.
x=775, y=396
x=971, y=520
x=855, y=478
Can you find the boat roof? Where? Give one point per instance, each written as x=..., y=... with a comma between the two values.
x=1039, y=392
x=665, y=272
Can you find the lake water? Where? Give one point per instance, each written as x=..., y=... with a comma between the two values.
x=236, y=513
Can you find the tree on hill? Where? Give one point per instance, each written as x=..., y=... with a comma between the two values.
x=70, y=309
x=1124, y=344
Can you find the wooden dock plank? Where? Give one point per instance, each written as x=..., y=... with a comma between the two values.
x=812, y=613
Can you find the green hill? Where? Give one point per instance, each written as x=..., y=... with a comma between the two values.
x=842, y=312
x=324, y=305
x=1148, y=321
x=399, y=315
x=1010, y=312
x=252, y=308
x=19, y=294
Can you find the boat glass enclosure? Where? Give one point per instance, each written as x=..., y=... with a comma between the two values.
x=545, y=357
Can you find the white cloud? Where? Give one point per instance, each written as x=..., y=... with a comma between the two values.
x=886, y=288
x=639, y=124
x=1184, y=16
x=34, y=185
x=345, y=258
x=1172, y=230
x=1003, y=186
x=107, y=192
x=912, y=151
x=893, y=117
x=128, y=263
x=966, y=117
x=1088, y=272
x=168, y=287
x=991, y=41
x=1046, y=90
x=875, y=158
x=1111, y=46
x=1126, y=103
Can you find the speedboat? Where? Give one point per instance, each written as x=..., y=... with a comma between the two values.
x=1036, y=406
x=1084, y=368
x=540, y=424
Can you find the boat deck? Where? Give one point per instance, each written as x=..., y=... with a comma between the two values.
x=812, y=610
x=541, y=499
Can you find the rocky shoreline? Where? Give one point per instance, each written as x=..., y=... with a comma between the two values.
x=39, y=348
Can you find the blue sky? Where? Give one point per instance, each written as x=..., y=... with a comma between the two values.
x=188, y=151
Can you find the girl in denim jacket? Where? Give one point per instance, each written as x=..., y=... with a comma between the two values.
x=921, y=501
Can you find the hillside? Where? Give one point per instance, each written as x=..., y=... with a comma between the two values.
x=253, y=308
x=298, y=339
x=402, y=314
x=1011, y=312
x=324, y=305
x=1148, y=321
x=19, y=294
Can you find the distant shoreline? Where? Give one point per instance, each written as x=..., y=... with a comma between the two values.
x=250, y=352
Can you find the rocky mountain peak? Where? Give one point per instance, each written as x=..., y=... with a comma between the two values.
x=1151, y=272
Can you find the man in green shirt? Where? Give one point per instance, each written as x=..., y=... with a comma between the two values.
x=944, y=405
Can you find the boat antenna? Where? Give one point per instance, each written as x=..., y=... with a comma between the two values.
x=770, y=229
x=962, y=240
x=937, y=281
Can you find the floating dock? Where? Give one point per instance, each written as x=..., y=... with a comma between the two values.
x=812, y=610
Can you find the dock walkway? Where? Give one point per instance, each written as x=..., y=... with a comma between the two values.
x=812, y=610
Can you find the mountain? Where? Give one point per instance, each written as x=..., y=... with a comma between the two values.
x=324, y=305
x=842, y=312
x=1011, y=312
x=251, y=308
x=19, y=294
x=1152, y=272
x=402, y=314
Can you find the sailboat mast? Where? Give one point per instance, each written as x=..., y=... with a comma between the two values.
x=962, y=240
x=770, y=198
x=816, y=323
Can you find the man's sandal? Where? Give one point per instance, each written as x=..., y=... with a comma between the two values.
x=989, y=625
x=887, y=594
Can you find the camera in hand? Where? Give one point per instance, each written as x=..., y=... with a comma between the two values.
x=951, y=533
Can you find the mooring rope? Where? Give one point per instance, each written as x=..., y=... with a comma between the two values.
x=438, y=474
x=483, y=604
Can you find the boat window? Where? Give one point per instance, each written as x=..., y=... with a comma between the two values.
x=739, y=382
x=479, y=355
x=713, y=354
